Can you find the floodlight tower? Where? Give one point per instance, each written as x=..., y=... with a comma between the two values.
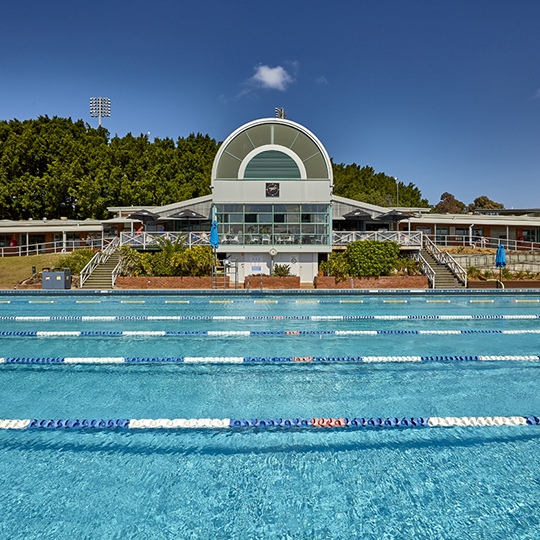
x=100, y=106
x=280, y=113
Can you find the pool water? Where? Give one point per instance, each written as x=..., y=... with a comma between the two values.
x=275, y=483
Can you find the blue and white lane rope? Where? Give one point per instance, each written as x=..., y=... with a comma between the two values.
x=246, y=333
x=264, y=317
x=228, y=423
x=263, y=360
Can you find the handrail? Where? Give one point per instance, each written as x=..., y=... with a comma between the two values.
x=456, y=240
x=116, y=272
x=426, y=268
x=442, y=257
x=99, y=258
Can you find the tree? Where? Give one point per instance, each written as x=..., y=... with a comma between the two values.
x=364, y=184
x=484, y=203
x=449, y=205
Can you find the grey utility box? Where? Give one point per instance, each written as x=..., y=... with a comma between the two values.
x=56, y=278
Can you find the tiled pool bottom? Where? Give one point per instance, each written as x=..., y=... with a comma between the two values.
x=458, y=483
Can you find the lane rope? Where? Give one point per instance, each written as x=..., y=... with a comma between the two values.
x=228, y=423
x=262, y=360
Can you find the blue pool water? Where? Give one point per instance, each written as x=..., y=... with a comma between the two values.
x=311, y=483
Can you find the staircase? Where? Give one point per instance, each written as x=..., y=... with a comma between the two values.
x=101, y=277
x=444, y=278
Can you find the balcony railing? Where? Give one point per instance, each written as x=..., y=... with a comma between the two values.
x=403, y=238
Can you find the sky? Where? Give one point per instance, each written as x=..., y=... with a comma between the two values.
x=444, y=94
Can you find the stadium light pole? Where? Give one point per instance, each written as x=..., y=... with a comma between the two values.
x=397, y=191
x=100, y=107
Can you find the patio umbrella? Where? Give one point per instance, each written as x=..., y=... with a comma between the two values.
x=500, y=260
x=214, y=238
x=186, y=214
x=144, y=216
x=394, y=216
x=357, y=214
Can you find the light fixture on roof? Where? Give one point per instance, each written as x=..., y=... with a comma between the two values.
x=280, y=113
x=100, y=107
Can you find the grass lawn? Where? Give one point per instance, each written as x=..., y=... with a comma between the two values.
x=13, y=269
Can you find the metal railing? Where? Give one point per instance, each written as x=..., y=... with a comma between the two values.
x=116, y=272
x=147, y=240
x=99, y=258
x=426, y=269
x=482, y=242
x=403, y=238
x=442, y=257
x=41, y=248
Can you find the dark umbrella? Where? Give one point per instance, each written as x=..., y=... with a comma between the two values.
x=357, y=214
x=500, y=260
x=394, y=216
x=186, y=213
x=144, y=216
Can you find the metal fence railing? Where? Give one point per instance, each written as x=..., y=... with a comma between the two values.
x=482, y=242
x=49, y=247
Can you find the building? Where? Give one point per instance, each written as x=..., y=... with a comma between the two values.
x=272, y=198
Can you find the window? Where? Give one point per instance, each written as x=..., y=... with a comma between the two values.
x=280, y=223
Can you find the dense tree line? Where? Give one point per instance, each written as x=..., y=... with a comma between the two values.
x=364, y=184
x=53, y=167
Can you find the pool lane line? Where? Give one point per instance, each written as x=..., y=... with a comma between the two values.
x=239, y=302
x=86, y=318
x=247, y=333
x=283, y=423
x=264, y=360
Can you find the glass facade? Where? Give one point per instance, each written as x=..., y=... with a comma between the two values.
x=285, y=224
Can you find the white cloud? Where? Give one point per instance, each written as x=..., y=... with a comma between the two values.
x=537, y=95
x=321, y=80
x=273, y=78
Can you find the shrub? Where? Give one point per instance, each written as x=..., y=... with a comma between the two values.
x=76, y=260
x=337, y=265
x=196, y=261
x=473, y=272
x=281, y=270
x=372, y=258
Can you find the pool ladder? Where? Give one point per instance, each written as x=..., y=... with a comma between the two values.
x=224, y=273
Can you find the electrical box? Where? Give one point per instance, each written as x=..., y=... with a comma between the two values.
x=56, y=278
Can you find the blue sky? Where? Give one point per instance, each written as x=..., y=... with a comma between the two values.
x=444, y=94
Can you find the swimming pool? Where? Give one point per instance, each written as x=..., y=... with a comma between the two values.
x=296, y=482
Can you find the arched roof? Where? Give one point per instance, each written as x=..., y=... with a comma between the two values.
x=276, y=144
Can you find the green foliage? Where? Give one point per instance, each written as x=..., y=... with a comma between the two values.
x=372, y=258
x=55, y=167
x=506, y=274
x=473, y=272
x=408, y=267
x=366, y=258
x=337, y=265
x=281, y=270
x=196, y=261
x=363, y=184
x=76, y=260
x=484, y=203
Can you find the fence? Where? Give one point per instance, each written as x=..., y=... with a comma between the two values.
x=483, y=242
